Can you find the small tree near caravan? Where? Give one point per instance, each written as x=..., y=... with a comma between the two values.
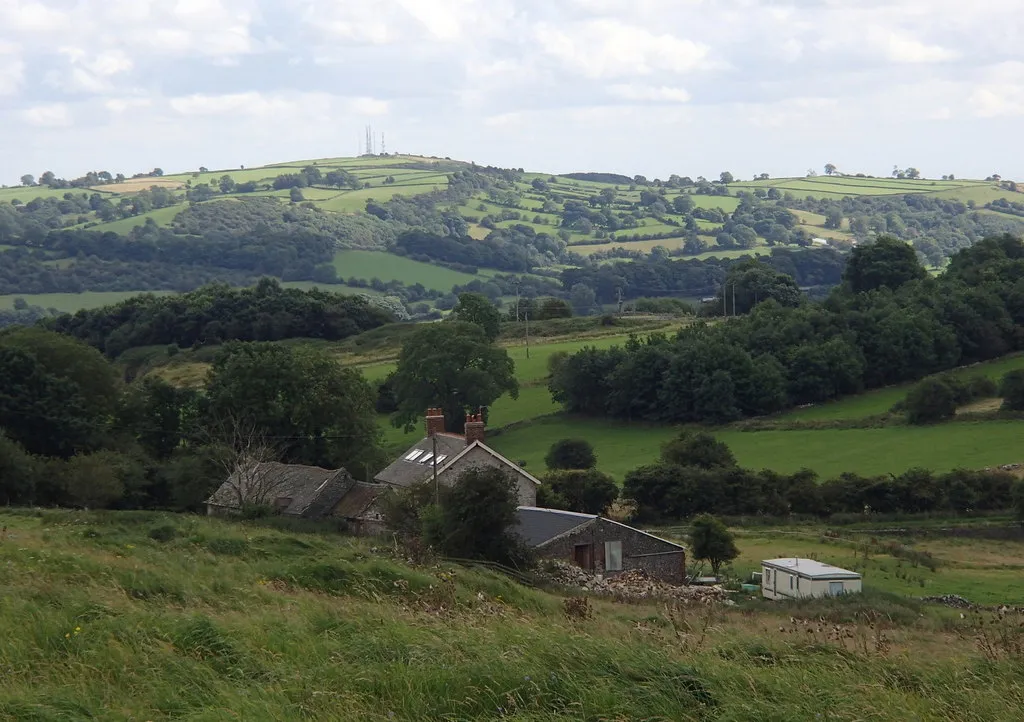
x=711, y=541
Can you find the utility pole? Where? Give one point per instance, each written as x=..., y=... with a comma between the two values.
x=517, y=302
x=734, y=299
x=526, y=312
x=618, y=292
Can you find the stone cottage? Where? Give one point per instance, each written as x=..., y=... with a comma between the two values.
x=451, y=454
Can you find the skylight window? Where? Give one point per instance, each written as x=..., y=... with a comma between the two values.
x=441, y=457
x=426, y=457
x=411, y=456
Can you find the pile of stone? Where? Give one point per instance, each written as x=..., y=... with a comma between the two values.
x=949, y=600
x=632, y=585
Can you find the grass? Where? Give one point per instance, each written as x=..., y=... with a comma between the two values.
x=873, y=403
x=72, y=302
x=160, y=216
x=236, y=620
x=389, y=267
x=622, y=447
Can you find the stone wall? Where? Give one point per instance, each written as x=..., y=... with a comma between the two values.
x=479, y=458
x=655, y=557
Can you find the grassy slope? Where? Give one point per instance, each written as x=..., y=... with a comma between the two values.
x=71, y=302
x=388, y=267
x=238, y=621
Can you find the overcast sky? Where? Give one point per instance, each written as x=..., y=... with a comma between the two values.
x=635, y=86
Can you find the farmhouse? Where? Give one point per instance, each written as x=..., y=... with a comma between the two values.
x=795, y=578
x=600, y=545
x=306, y=492
x=450, y=455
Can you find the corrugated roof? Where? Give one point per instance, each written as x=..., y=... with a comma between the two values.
x=406, y=473
x=537, y=525
x=811, y=568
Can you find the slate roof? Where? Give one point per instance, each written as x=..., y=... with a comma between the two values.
x=406, y=473
x=810, y=568
x=359, y=498
x=537, y=526
x=313, y=491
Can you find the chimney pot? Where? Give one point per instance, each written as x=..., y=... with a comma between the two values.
x=435, y=421
x=475, y=428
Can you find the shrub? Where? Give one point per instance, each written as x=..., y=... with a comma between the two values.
x=699, y=449
x=587, y=491
x=163, y=533
x=712, y=541
x=571, y=454
x=929, y=401
x=1012, y=390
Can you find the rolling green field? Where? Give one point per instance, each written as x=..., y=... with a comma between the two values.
x=71, y=302
x=389, y=267
x=622, y=447
x=160, y=216
x=150, y=616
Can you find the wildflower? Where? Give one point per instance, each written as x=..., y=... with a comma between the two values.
x=67, y=636
x=526, y=677
x=129, y=546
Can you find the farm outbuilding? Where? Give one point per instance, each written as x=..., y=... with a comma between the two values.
x=795, y=578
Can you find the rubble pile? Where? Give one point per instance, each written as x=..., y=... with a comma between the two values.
x=949, y=600
x=631, y=585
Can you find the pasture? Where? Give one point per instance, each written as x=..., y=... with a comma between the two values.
x=72, y=302
x=389, y=267
x=622, y=446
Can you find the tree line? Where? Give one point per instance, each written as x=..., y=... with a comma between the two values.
x=71, y=433
x=218, y=313
x=888, y=323
x=697, y=474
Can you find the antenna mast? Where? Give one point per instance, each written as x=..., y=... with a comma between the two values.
x=383, y=148
x=369, y=140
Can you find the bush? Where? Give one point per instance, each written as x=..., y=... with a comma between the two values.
x=712, y=541
x=1012, y=390
x=571, y=454
x=698, y=448
x=929, y=401
x=587, y=491
x=163, y=533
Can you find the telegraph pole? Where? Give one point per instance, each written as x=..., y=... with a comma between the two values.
x=618, y=292
x=526, y=312
x=517, y=302
x=734, y=299
x=437, y=492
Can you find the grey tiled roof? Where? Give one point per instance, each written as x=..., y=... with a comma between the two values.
x=358, y=499
x=537, y=525
x=407, y=473
x=313, y=491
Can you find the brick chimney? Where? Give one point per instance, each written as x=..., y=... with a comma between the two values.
x=474, y=428
x=435, y=421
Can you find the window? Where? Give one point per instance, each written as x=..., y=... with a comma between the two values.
x=790, y=581
x=835, y=588
x=613, y=556
x=798, y=584
x=427, y=457
x=441, y=457
x=411, y=456
x=282, y=502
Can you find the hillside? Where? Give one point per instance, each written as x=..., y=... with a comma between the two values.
x=122, y=615
x=312, y=214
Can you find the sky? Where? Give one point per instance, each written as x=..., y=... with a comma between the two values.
x=651, y=87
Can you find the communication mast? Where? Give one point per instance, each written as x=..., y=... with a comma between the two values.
x=383, y=148
x=369, y=140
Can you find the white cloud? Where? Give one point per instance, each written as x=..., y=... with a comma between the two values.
x=606, y=48
x=1002, y=93
x=120, y=105
x=31, y=17
x=12, y=70
x=250, y=103
x=52, y=115
x=369, y=106
x=901, y=48
x=650, y=93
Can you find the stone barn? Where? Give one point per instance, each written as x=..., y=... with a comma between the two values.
x=600, y=545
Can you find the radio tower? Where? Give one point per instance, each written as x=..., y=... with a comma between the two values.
x=369, y=140
x=383, y=148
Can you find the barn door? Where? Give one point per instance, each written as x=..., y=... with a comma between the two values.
x=583, y=555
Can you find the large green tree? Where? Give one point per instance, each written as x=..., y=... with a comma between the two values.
x=477, y=309
x=571, y=454
x=300, y=400
x=887, y=262
x=587, y=491
x=751, y=282
x=452, y=366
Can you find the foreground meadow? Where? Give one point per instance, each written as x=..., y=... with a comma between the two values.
x=144, y=616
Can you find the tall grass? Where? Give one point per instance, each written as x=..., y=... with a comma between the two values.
x=220, y=620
